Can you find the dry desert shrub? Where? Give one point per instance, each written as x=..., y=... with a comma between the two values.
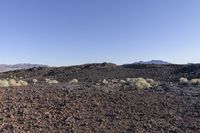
x=195, y=81
x=13, y=82
x=23, y=83
x=73, y=81
x=49, y=81
x=4, y=83
x=35, y=81
x=183, y=81
x=139, y=83
x=152, y=82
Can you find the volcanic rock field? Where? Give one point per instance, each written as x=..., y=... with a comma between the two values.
x=102, y=98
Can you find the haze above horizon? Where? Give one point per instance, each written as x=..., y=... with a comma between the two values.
x=71, y=32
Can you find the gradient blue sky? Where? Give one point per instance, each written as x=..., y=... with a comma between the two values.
x=69, y=32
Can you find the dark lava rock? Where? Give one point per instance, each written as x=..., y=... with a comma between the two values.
x=91, y=106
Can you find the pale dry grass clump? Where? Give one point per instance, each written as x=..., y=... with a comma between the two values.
x=23, y=83
x=195, y=81
x=4, y=83
x=73, y=81
x=49, y=81
x=139, y=83
x=35, y=81
x=183, y=81
x=152, y=82
x=12, y=83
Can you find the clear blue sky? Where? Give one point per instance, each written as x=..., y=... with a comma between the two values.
x=69, y=32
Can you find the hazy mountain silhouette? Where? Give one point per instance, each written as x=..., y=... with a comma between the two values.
x=152, y=62
x=5, y=68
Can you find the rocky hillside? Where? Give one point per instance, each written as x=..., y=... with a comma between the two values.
x=95, y=72
x=5, y=68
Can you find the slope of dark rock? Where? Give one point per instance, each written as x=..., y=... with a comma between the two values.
x=190, y=71
x=95, y=72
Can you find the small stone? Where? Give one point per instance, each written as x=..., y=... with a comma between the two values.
x=122, y=81
x=114, y=81
x=105, y=81
x=98, y=84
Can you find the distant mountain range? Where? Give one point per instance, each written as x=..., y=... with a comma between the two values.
x=152, y=62
x=5, y=68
